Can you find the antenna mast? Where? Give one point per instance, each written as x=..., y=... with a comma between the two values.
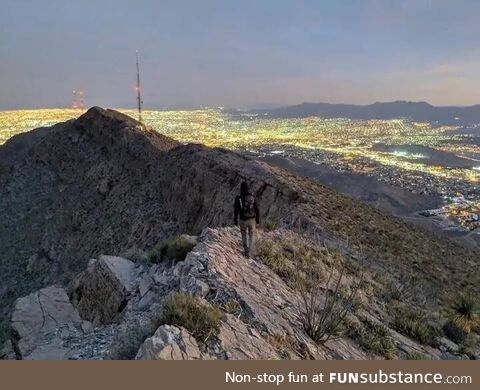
x=139, y=97
x=78, y=101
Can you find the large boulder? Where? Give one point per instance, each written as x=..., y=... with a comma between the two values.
x=169, y=343
x=102, y=291
x=41, y=321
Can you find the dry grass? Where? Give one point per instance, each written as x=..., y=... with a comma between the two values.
x=174, y=249
x=300, y=263
x=416, y=325
x=200, y=318
x=374, y=338
x=416, y=356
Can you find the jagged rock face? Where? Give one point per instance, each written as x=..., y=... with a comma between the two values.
x=103, y=184
x=7, y=352
x=169, y=343
x=101, y=292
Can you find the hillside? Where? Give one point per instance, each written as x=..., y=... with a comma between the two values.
x=418, y=111
x=103, y=184
x=381, y=195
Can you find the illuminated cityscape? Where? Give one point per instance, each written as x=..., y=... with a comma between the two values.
x=419, y=157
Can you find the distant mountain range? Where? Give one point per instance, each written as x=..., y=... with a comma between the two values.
x=419, y=111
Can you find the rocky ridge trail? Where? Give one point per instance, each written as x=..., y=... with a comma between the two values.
x=125, y=302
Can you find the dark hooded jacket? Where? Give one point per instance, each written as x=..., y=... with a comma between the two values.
x=238, y=212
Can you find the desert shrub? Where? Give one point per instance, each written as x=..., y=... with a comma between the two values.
x=416, y=356
x=415, y=325
x=200, y=319
x=373, y=337
x=174, y=249
x=465, y=312
x=398, y=291
x=135, y=254
x=324, y=311
x=469, y=346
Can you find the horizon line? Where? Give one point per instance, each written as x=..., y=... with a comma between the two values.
x=239, y=107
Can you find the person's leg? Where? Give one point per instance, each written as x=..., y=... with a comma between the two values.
x=243, y=230
x=252, y=233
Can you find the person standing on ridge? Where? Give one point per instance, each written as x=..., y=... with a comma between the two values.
x=246, y=208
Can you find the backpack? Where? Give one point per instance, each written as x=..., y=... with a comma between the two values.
x=247, y=205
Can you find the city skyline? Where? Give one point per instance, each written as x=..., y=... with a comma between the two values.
x=238, y=54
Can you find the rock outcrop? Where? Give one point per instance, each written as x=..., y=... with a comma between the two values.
x=169, y=343
x=101, y=292
x=40, y=323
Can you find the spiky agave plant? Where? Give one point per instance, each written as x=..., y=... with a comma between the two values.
x=466, y=312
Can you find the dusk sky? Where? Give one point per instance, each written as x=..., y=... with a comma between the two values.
x=238, y=53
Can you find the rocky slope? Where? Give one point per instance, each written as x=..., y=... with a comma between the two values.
x=104, y=184
x=260, y=313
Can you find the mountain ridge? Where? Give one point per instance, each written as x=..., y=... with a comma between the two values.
x=419, y=111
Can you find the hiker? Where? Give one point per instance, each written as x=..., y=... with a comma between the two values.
x=247, y=209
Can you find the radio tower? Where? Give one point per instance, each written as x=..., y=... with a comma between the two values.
x=78, y=101
x=139, y=97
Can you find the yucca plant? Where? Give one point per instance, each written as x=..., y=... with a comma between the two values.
x=324, y=310
x=466, y=312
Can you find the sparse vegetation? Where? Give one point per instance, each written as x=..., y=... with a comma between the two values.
x=373, y=337
x=174, y=249
x=135, y=254
x=416, y=356
x=296, y=261
x=200, y=318
x=414, y=324
x=398, y=291
x=468, y=346
x=323, y=311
